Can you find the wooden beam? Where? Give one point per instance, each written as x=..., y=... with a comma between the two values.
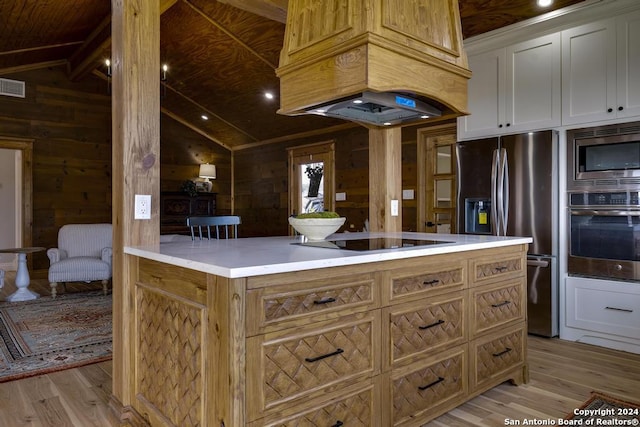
x=301, y=135
x=230, y=34
x=88, y=56
x=136, y=170
x=276, y=10
x=385, y=178
x=35, y=66
x=33, y=49
x=196, y=129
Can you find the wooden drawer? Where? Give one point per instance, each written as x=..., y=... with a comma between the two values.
x=495, y=356
x=496, y=305
x=431, y=278
x=604, y=306
x=424, y=390
x=425, y=326
x=353, y=408
x=286, y=366
x=281, y=306
x=502, y=266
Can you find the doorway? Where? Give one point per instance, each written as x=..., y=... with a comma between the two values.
x=437, y=191
x=311, y=178
x=16, y=192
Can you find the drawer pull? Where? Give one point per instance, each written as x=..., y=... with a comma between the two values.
x=501, y=268
x=626, y=310
x=439, y=322
x=430, y=282
x=324, y=301
x=501, y=304
x=324, y=356
x=338, y=424
x=424, y=387
x=505, y=351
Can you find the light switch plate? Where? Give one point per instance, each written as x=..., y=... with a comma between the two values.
x=341, y=197
x=407, y=194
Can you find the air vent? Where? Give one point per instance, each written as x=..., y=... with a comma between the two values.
x=13, y=88
x=582, y=183
x=607, y=131
x=583, y=134
x=630, y=181
x=630, y=129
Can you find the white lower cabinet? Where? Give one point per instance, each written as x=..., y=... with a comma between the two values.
x=601, y=310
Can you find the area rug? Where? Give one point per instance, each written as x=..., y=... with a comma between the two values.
x=47, y=335
x=602, y=409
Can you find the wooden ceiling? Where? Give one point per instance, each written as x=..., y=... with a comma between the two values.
x=222, y=56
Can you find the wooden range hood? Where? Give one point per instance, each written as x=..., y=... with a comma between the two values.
x=339, y=49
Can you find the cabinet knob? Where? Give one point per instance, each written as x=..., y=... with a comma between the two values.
x=508, y=124
x=620, y=108
x=500, y=125
x=609, y=110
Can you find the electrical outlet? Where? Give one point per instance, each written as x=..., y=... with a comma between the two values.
x=142, y=206
x=394, y=208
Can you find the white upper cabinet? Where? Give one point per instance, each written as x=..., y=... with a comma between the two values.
x=514, y=89
x=601, y=70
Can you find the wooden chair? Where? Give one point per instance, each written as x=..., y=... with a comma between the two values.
x=226, y=222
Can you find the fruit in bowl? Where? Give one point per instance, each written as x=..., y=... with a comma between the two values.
x=317, y=225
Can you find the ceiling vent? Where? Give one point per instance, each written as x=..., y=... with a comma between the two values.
x=13, y=88
x=340, y=50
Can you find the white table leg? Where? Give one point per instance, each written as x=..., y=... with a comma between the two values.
x=22, y=282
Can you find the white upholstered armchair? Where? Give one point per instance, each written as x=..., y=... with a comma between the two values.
x=83, y=255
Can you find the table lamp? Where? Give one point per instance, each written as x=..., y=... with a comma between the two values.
x=207, y=172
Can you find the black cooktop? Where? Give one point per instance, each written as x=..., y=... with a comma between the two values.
x=371, y=243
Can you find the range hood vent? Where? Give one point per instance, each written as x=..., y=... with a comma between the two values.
x=379, y=109
x=404, y=59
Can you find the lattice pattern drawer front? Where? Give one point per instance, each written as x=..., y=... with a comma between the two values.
x=497, y=306
x=170, y=357
x=498, y=268
x=441, y=278
x=491, y=358
x=417, y=392
x=289, y=364
x=418, y=328
x=279, y=306
x=352, y=410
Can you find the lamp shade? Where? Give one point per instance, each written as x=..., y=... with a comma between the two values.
x=207, y=171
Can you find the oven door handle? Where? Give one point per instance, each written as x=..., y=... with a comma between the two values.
x=607, y=212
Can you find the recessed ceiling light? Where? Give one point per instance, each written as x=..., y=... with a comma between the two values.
x=320, y=110
x=544, y=3
x=268, y=95
x=358, y=101
x=424, y=116
x=204, y=117
x=387, y=123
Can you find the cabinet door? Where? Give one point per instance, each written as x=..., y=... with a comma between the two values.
x=532, y=96
x=589, y=73
x=628, y=65
x=486, y=93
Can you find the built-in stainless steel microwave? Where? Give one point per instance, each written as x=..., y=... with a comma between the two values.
x=604, y=157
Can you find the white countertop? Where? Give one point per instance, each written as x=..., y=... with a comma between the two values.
x=257, y=256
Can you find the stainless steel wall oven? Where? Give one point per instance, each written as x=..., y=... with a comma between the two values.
x=604, y=201
x=604, y=235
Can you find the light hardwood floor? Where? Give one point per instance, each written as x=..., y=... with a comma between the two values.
x=563, y=374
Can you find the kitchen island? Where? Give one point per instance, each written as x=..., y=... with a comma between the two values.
x=387, y=329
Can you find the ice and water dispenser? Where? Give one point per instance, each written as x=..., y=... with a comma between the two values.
x=477, y=215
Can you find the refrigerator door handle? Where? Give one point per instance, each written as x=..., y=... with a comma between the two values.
x=538, y=263
x=494, y=204
x=505, y=192
x=500, y=194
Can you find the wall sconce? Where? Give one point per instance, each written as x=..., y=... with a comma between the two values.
x=207, y=172
x=163, y=77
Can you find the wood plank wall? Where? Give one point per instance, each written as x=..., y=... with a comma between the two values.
x=71, y=126
x=261, y=182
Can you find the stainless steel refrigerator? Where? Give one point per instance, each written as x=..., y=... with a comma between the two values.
x=508, y=186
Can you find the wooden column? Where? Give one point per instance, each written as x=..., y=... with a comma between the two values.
x=136, y=166
x=385, y=178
